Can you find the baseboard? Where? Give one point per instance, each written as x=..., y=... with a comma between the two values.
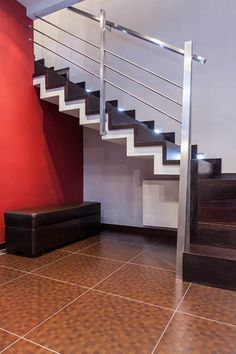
x=2, y=246
x=149, y=231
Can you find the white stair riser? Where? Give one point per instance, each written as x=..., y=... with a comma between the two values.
x=77, y=109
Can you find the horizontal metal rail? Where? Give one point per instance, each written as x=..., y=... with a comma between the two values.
x=65, y=45
x=141, y=100
x=143, y=68
x=142, y=84
x=67, y=32
x=144, y=37
x=71, y=61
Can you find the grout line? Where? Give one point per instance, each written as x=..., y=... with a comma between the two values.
x=19, y=338
x=39, y=345
x=82, y=249
x=108, y=259
x=58, y=280
x=31, y=271
x=41, y=276
x=18, y=270
x=207, y=319
x=27, y=340
x=134, y=300
x=45, y=265
x=170, y=320
x=153, y=267
x=71, y=302
x=89, y=255
x=9, y=281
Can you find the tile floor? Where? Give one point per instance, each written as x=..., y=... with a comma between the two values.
x=111, y=294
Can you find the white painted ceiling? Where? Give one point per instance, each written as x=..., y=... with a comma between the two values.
x=29, y=2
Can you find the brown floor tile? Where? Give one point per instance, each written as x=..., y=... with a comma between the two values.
x=29, y=264
x=213, y=303
x=114, y=250
x=77, y=246
x=160, y=256
x=187, y=334
x=24, y=347
x=130, y=238
x=6, y=339
x=81, y=270
x=27, y=301
x=103, y=324
x=7, y=274
x=150, y=285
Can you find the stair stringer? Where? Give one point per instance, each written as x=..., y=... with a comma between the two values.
x=77, y=109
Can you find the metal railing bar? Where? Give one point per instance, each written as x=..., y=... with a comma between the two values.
x=65, y=45
x=142, y=84
x=67, y=32
x=71, y=61
x=141, y=100
x=143, y=68
x=144, y=37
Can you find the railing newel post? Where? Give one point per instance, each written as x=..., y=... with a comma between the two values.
x=102, y=73
x=183, y=237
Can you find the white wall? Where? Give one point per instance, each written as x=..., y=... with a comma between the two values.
x=211, y=25
x=114, y=179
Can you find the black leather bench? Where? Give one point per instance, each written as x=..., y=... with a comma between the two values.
x=33, y=231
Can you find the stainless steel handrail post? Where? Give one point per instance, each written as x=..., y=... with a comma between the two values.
x=183, y=238
x=102, y=73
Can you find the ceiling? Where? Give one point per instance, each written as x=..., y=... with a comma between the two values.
x=29, y=2
x=45, y=7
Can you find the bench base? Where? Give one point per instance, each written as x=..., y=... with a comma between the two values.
x=35, y=242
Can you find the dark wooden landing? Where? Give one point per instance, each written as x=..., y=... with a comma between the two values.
x=212, y=266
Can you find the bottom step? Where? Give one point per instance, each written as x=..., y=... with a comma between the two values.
x=212, y=266
x=218, y=234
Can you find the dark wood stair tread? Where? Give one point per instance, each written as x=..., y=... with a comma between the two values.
x=218, y=225
x=143, y=134
x=219, y=188
x=212, y=251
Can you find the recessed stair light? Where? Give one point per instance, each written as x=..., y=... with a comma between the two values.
x=177, y=157
x=200, y=156
x=157, y=131
x=88, y=90
x=120, y=109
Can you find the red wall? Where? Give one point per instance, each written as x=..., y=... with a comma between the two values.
x=41, y=150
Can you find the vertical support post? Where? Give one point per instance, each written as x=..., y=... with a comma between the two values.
x=102, y=73
x=183, y=235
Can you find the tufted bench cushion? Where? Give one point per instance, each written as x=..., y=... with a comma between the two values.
x=33, y=231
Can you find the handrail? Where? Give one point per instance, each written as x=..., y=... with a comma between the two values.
x=144, y=37
x=71, y=61
x=143, y=68
x=141, y=100
x=67, y=32
x=65, y=45
x=142, y=84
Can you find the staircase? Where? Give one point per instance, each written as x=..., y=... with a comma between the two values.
x=211, y=259
x=122, y=127
x=208, y=254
